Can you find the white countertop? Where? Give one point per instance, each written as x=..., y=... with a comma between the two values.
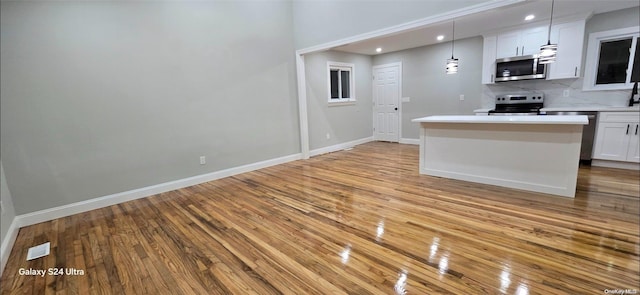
x=482, y=110
x=635, y=108
x=550, y=120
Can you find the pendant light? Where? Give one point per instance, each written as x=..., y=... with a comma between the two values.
x=548, y=51
x=452, y=63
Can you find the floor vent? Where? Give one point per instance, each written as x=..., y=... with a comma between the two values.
x=39, y=251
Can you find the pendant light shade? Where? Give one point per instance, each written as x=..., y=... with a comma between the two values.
x=452, y=63
x=548, y=51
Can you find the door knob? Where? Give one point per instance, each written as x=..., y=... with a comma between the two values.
x=396, y=109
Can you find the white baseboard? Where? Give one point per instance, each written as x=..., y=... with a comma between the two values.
x=339, y=147
x=101, y=202
x=615, y=164
x=7, y=244
x=415, y=141
x=79, y=207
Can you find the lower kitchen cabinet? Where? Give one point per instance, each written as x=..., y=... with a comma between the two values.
x=618, y=137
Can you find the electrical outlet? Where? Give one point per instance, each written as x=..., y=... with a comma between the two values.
x=461, y=96
x=328, y=135
x=203, y=160
x=565, y=93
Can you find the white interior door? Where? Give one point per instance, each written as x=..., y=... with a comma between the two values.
x=386, y=100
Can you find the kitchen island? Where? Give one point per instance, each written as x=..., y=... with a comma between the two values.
x=535, y=153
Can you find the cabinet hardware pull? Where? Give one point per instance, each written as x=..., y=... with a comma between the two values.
x=636, y=129
x=576, y=72
x=628, y=128
x=491, y=78
x=517, y=48
x=522, y=50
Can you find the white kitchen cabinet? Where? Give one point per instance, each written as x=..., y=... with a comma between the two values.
x=532, y=39
x=570, y=40
x=633, y=155
x=508, y=44
x=617, y=137
x=489, y=60
x=520, y=42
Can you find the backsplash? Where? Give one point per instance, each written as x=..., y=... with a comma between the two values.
x=553, y=93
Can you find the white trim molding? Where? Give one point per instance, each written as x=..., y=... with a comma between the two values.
x=7, y=244
x=302, y=106
x=346, y=67
x=113, y=199
x=615, y=164
x=412, y=25
x=415, y=141
x=340, y=146
x=592, y=58
x=101, y=202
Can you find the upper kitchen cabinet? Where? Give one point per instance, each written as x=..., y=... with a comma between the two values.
x=520, y=42
x=489, y=60
x=569, y=35
x=570, y=40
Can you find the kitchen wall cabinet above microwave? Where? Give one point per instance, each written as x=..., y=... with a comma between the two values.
x=521, y=42
x=570, y=39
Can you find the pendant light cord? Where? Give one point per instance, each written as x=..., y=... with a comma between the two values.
x=550, y=22
x=453, y=38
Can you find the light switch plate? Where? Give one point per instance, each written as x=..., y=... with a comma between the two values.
x=39, y=251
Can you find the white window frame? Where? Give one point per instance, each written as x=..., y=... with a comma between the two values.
x=332, y=65
x=593, y=54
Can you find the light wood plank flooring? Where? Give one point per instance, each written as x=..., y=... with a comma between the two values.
x=353, y=222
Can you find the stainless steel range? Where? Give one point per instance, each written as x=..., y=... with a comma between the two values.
x=518, y=105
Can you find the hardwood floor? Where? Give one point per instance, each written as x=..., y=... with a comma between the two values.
x=353, y=222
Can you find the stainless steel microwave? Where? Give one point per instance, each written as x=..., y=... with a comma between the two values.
x=519, y=68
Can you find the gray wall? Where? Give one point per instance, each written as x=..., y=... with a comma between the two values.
x=431, y=91
x=344, y=123
x=8, y=213
x=613, y=20
x=104, y=97
x=554, y=89
x=318, y=22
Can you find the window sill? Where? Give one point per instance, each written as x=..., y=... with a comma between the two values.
x=608, y=87
x=341, y=102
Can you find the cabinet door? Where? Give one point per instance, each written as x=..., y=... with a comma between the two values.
x=489, y=60
x=612, y=141
x=570, y=38
x=634, y=144
x=532, y=39
x=507, y=45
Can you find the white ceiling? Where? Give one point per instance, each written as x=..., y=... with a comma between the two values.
x=485, y=22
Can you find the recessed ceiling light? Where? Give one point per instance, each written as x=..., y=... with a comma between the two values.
x=440, y=37
x=378, y=49
x=529, y=17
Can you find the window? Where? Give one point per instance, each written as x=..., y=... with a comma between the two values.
x=341, y=82
x=613, y=59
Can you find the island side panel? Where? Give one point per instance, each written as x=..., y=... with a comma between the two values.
x=536, y=157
